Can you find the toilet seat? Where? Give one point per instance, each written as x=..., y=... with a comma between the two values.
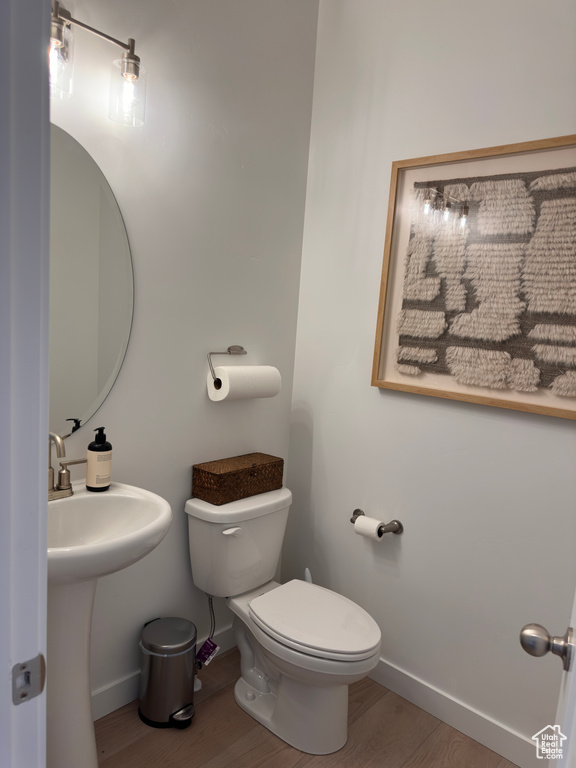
x=316, y=621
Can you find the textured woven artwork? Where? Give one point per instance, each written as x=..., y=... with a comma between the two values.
x=493, y=303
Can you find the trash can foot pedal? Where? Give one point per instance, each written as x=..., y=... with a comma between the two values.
x=182, y=718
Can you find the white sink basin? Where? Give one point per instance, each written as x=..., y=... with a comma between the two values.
x=92, y=534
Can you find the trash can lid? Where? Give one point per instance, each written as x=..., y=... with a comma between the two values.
x=171, y=635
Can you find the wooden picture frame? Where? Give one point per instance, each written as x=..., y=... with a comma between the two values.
x=478, y=291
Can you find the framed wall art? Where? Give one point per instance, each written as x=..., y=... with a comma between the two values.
x=478, y=291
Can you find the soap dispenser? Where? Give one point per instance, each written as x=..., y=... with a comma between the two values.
x=98, y=462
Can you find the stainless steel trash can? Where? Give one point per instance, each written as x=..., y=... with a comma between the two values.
x=168, y=661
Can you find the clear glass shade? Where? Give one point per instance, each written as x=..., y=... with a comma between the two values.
x=127, y=83
x=61, y=60
x=127, y=96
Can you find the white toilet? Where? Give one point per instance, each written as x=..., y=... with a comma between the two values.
x=300, y=645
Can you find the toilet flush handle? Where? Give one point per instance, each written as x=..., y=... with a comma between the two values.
x=232, y=532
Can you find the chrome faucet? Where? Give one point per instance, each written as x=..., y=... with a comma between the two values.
x=63, y=487
x=60, y=454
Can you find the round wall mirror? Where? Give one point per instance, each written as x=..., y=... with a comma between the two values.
x=91, y=285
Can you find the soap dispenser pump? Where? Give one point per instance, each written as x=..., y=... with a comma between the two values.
x=98, y=462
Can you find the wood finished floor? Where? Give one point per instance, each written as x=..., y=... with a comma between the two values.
x=384, y=731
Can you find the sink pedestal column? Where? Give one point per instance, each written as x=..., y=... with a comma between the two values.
x=71, y=742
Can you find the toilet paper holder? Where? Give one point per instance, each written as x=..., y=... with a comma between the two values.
x=394, y=526
x=235, y=349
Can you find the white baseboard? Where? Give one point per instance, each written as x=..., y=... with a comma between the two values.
x=477, y=725
x=124, y=690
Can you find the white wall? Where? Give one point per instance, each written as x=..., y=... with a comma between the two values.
x=212, y=190
x=486, y=495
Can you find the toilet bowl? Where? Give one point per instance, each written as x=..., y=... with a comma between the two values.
x=300, y=691
x=301, y=645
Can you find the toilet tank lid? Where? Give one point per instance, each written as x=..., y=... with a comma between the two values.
x=243, y=509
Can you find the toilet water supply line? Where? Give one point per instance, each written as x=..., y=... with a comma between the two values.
x=212, y=617
x=208, y=649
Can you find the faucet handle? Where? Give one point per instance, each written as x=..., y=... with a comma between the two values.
x=64, y=480
x=64, y=474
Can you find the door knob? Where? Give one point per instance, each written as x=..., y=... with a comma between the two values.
x=537, y=641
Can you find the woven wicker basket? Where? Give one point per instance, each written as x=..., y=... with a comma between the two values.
x=220, y=482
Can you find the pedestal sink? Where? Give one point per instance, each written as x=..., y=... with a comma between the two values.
x=89, y=535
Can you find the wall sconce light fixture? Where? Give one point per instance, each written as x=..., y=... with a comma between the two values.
x=128, y=78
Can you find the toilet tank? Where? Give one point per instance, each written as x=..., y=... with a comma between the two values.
x=236, y=547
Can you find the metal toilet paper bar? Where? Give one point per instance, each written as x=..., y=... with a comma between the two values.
x=394, y=526
x=235, y=349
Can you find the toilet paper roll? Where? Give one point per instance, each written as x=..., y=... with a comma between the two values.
x=241, y=382
x=369, y=527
